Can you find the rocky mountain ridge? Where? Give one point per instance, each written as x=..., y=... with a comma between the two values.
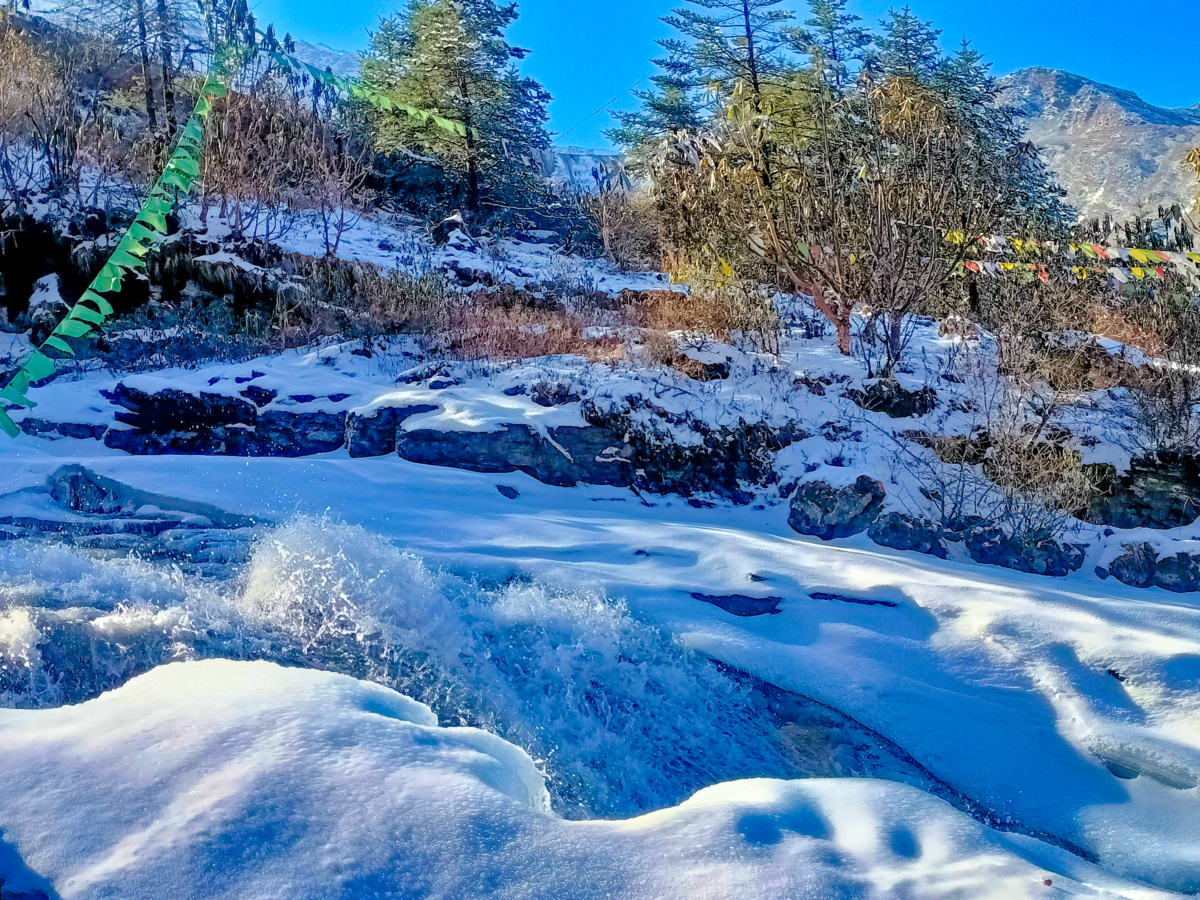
x=1113, y=151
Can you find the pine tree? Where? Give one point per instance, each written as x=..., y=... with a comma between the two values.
x=732, y=41
x=909, y=47
x=837, y=44
x=670, y=107
x=451, y=57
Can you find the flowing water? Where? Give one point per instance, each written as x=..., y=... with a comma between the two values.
x=619, y=716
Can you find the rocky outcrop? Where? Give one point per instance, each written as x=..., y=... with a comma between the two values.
x=1158, y=491
x=888, y=397
x=827, y=512
x=903, y=532
x=564, y=457
x=173, y=410
x=376, y=434
x=1139, y=566
x=993, y=547
x=724, y=461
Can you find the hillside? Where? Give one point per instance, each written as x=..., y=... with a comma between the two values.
x=1113, y=151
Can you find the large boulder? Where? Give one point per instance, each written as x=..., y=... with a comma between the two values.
x=902, y=532
x=297, y=434
x=571, y=456
x=1179, y=573
x=993, y=547
x=827, y=512
x=1135, y=566
x=173, y=410
x=1139, y=566
x=376, y=434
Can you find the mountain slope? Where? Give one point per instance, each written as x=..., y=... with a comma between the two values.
x=1113, y=151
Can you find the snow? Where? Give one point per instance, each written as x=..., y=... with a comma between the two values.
x=246, y=779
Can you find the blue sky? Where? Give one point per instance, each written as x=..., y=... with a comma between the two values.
x=588, y=52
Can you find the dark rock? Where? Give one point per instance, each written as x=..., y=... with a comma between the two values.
x=1158, y=491
x=719, y=461
x=515, y=391
x=375, y=435
x=550, y=394
x=298, y=434
x=901, y=532
x=259, y=396
x=586, y=455
x=993, y=547
x=440, y=384
x=740, y=605
x=244, y=378
x=150, y=443
x=510, y=492
x=303, y=398
x=81, y=432
x=1136, y=566
x=859, y=601
x=172, y=410
x=887, y=396
x=828, y=512
x=338, y=398
x=1179, y=574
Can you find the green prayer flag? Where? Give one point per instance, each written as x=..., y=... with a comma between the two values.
x=59, y=344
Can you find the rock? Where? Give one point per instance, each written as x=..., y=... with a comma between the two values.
x=520, y=448
x=1135, y=566
x=718, y=460
x=993, y=547
x=1159, y=491
x=136, y=442
x=375, y=435
x=173, y=410
x=741, y=605
x=554, y=393
x=902, y=532
x=297, y=434
x=828, y=512
x=1179, y=573
x=44, y=428
x=259, y=396
x=887, y=396
x=510, y=492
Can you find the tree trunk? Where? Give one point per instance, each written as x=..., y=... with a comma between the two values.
x=472, y=152
x=139, y=8
x=164, y=31
x=756, y=86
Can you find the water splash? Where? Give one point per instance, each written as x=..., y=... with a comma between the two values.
x=620, y=717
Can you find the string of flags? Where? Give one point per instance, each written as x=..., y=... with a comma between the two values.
x=1125, y=263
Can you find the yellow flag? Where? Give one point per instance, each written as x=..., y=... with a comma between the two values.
x=1138, y=271
x=1007, y=267
x=1194, y=257
x=956, y=237
x=1017, y=242
x=1140, y=256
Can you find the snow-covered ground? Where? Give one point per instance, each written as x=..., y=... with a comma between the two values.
x=1003, y=686
x=248, y=780
x=601, y=726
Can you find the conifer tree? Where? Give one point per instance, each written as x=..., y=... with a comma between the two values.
x=732, y=41
x=452, y=57
x=671, y=106
x=909, y=45
x=836, y=42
